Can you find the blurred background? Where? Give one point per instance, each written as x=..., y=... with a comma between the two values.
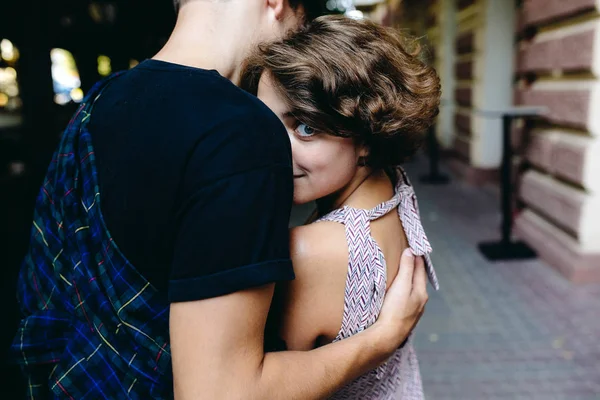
x=512, y=327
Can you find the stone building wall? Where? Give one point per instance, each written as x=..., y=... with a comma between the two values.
x=558, y=66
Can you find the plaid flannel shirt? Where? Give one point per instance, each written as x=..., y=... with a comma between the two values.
x=92, y=327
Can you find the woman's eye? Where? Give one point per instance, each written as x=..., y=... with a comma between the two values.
x=305, y=130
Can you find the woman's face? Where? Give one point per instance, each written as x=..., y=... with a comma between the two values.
x=323, y=164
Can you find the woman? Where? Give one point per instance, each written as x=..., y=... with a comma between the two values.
x=355, y=102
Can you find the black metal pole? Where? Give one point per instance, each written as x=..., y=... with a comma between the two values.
x=507, y=214
x=506, y=249
x=433, y=152
x=434, y=176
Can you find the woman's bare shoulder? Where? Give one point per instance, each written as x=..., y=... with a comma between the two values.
x=314, y=302
x=319, y=242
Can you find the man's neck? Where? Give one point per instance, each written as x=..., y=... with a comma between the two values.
x=201, y=39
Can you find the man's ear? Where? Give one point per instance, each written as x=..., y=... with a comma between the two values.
x=363, y=151
x=278, y=8
x=363, y=155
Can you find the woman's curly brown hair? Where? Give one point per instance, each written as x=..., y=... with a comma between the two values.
x=353, y=79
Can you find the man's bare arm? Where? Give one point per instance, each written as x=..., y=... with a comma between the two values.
x=217, y=345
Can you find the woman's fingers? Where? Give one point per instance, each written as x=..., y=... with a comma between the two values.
x=405, y=274
x=398, y=296
x=419, y=283
x=405, y=299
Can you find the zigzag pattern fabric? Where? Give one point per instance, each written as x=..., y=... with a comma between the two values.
x=399, y=377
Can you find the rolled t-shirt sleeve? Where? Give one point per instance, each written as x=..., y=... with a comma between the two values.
x=232, y=234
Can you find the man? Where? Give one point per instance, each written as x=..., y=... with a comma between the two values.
x=161, y=229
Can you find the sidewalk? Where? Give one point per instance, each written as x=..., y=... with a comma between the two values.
x=507, y=330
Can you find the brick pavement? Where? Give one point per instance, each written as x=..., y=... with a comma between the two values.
x=506, y=330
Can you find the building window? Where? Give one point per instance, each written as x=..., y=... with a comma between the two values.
x=104, y=65
x=9, y=86
x=65, y=77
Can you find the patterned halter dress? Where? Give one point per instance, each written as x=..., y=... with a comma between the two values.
x=399, y=377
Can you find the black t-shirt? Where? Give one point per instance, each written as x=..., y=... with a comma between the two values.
x=195, y=180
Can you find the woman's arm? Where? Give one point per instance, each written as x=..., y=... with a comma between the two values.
x=313, y=303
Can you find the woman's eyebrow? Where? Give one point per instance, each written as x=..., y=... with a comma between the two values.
x=289, y=118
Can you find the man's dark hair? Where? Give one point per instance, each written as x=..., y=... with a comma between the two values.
x=312, y=8
x=177, y=4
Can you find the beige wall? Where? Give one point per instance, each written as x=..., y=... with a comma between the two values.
x=443, y=35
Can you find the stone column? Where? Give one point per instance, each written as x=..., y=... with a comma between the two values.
x=484, y=64
x=434, y=22
x=494, y=83
x=446, y=68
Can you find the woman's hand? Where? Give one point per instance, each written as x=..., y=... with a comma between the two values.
x=404, y=302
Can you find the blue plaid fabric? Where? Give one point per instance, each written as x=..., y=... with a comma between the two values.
x=92, y=327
